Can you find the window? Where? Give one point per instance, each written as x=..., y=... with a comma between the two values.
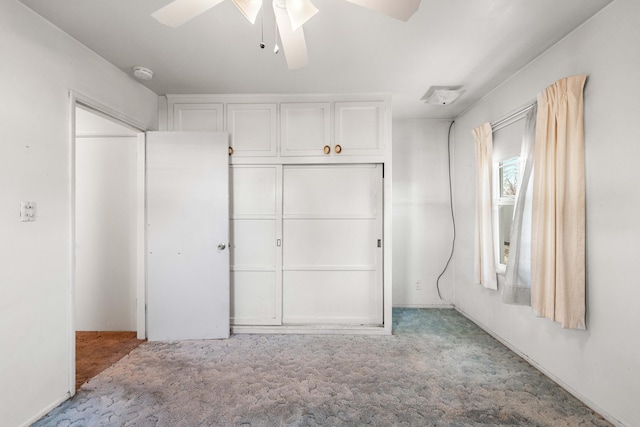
x=507, y=174
x=507, y=143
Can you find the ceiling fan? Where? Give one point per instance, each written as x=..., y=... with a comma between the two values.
x=290, y=16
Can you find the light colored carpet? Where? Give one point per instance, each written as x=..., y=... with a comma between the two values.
x=438, y=369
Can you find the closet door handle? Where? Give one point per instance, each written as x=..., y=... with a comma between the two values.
x=326, y=149
x=337, y=149
x=230, y=151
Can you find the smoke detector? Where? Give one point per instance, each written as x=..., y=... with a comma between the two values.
x=442, y=95
x=142, y=73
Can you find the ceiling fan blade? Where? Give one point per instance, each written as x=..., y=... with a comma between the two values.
x=178, y=12
x=399, y=9
x=300, y=11
x=293, y=43
x=249, y=8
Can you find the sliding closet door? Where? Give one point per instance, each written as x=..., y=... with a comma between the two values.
x=256, y=256
x=332, y=254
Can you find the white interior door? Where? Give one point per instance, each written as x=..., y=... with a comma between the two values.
x=188, y=234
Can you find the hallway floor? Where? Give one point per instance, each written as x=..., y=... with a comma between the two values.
x=96, y=351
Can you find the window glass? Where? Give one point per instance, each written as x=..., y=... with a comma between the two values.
x=508, y=174
x=509, y=171
x=506, y=218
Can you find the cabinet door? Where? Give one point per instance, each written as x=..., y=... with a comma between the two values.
x=252, y=128
x=305, y=129
x=255, y=227
x=360, y=128
x=332, y=263
x=197, y=117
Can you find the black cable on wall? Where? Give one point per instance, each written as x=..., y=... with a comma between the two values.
x=453, y=218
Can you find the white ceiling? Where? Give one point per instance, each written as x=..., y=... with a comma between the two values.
x=473, y=43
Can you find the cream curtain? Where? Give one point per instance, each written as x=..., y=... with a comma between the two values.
x=558, y=225
x=517, y=277
x=484, y=262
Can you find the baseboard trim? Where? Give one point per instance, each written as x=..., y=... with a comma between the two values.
x=606, y=415
x=446, y=306
x=46, y=410
x=311, y=329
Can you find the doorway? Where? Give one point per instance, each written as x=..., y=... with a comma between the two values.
x=108, y=271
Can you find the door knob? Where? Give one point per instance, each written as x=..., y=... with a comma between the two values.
x=221, y=246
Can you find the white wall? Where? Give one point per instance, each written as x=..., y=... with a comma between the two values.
x=422, y=228
x=40, y=64
x=106, y=232
x=602, y=364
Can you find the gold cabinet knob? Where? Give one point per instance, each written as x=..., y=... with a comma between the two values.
x=230, y=151
x=337, y=149
x=326, y=149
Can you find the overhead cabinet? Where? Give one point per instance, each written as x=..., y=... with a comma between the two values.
x=306, y=129
x=290, y=132
x=252, y=129
x=309, y=208
x=359, y=128
x=194, y=117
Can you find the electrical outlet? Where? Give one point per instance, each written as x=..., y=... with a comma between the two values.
x=418, y=285
x=27, y=211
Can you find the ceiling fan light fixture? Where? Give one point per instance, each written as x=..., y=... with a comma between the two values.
x=442, y=95
x=300, y=11
x=290, y=16
x=249, y=8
